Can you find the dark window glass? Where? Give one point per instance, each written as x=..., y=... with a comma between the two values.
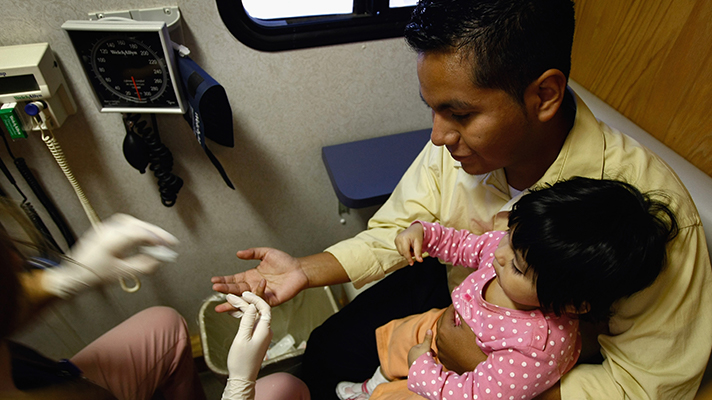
x=274, y=25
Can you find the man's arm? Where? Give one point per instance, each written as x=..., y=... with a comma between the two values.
x=371, y=254
x=553, y=393
x=323, y=269
x=361, y=259
x=285, y=275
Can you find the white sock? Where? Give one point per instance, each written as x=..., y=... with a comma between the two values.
x=353, y=390
x=376, y=380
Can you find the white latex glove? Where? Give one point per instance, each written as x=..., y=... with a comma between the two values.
x=110, y=251
x=249, y=346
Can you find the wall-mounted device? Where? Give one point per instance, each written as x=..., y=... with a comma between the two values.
x=130, y=64
x=28, y=73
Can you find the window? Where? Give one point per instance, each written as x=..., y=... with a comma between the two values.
x=274, y=25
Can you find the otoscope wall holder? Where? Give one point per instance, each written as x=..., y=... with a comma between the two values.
x=29, y=72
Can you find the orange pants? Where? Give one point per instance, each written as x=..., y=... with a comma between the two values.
x=394, y=340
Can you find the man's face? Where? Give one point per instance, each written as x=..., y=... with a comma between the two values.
x=484, y=129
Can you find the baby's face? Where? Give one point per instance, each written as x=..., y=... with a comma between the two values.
x=514, y=276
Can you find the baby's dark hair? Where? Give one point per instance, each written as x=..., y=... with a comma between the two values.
x=591, y=242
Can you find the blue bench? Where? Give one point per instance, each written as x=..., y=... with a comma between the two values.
x=364, y=173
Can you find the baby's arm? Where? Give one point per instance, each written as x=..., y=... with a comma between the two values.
x=410, y=243
x=502, y=375
x=458, y=247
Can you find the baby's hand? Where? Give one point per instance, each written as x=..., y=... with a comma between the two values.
x=420, y=348
x=410, y=243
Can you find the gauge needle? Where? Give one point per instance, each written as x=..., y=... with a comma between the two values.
x=135, y=87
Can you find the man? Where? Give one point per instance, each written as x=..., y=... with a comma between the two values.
x=494, y=73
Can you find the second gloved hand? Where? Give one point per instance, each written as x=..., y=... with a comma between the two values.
x=106, y=253
x=249, y=346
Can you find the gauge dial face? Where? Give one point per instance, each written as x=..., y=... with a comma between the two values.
x=127, y=70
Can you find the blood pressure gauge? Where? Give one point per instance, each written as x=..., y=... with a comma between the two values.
x=130, y=64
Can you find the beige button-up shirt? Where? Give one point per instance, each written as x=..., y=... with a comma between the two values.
x=660, y=339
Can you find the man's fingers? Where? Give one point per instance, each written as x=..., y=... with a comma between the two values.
x=240, y=305
x=224, y=307
x=255, y=253
x=223, y=279
x=260, y=289
x=247, y=323
x=262, y=306
x=237, y=302
x=245, y=254
x=234, y=288
x=428, y=338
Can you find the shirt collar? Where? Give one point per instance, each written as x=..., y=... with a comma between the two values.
x=583, y=151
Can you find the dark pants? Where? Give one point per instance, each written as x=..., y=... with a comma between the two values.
x=343, y=348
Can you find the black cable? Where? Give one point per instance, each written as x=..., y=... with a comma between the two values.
x=40, y=225
x=160, y=157
x=30, y=211
x=41, y=195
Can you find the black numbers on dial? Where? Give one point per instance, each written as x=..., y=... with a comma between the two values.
x=129, y=69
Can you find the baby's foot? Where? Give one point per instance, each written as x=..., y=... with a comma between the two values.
x=352, y=391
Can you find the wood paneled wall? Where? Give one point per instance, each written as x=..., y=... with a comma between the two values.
x=652, y=61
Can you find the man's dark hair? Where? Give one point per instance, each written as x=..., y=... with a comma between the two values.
x=510, y=43
x=591, y=242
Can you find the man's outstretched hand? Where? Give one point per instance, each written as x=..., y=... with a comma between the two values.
x=282, y=272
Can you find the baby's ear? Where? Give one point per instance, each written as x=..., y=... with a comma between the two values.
x=583, y=309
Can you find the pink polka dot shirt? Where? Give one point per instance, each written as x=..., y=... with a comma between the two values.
x=527, y=351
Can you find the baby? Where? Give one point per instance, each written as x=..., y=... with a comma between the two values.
x=571, y=251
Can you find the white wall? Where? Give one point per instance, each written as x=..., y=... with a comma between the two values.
x=285, y=105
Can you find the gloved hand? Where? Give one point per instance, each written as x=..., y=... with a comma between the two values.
x=249, y=346
x=104, y=254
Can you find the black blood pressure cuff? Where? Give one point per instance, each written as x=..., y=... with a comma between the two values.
x=209, y=112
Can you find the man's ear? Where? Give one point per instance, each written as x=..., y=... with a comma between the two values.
x=544, y=96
